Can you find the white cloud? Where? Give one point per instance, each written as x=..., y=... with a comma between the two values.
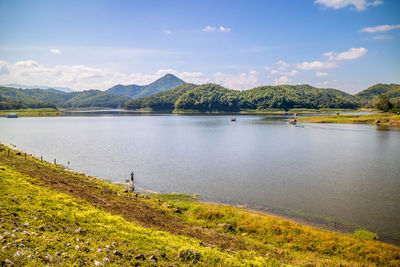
x=167, y=32
x=381, y=28
x=209, y=29
x=324, y=83
x=350, y=54
x=316, y=65
x=220, y=29
x=358, y=5
x=81, y=77
x=321, y=74
x=282, y=80
x=4, y=68
x=240, y=81
x=290, y=73
x=382, y=37
x=223, y=29
x=55, y=51
x=282, y=65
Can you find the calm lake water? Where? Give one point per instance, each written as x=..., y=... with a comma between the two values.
x=348, y=174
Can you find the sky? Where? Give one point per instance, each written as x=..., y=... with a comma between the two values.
x=96, y=44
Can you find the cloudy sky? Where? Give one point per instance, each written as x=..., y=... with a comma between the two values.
x=95, y=44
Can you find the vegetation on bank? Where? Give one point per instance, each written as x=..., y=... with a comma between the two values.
x=52, y=216
x=370, y=96
x=41, y=112
x=381, y=119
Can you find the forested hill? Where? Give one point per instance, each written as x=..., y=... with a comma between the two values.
x=136, y=91
x=11, y=98
x=163, y=101
x=370, y=95
x=215, y=98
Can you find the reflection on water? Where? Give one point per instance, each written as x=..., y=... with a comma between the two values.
x=349, y=173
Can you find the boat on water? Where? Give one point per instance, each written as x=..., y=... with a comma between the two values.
x=293, y=121
x=233, y=119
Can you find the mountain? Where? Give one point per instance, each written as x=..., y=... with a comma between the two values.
x=21, y=86
x=136, y=91
x=213, y=97
x=370, y=95
x=163, y=101
x=12, y=98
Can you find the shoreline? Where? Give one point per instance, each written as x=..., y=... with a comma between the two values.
x=243, y=235
x=315, y=220
x=378, y=119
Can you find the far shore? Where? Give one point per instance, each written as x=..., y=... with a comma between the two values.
x=379, y=119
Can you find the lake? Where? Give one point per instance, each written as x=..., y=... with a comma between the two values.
x=344, y=176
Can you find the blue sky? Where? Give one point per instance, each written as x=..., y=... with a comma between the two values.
x=344, y=44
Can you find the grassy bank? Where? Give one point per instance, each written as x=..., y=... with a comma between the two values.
x=275, y=111
x=42, y=112
x=382, y=119
x=53, y=216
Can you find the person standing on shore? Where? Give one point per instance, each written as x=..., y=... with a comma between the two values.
x=131, y=184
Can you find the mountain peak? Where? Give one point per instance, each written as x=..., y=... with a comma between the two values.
x=166, y=82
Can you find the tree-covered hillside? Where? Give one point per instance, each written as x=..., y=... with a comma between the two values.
x=11, y=98
x=136, y=91
x=215, y=98
x=163, y=101
x=369, y=96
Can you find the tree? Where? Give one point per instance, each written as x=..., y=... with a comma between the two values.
x=384, y=103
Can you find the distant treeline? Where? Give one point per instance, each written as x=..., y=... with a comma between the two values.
x=11, y=98
x=215, y=98
x=204, y=98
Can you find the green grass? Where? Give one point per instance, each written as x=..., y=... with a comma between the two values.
x=40, y=226
x=42, y=112
x=51, y=216
x=382, y=119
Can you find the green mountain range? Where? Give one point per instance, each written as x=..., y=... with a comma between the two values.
x=213, y=97
x=11, y=98
x=171, y=93
x=136, y=91
x=369, y=96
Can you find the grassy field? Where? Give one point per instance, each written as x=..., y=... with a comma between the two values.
x=52, y=216
x=42, y=112
x=382, y=119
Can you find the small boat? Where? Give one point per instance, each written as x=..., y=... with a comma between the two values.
x=12, y=115
x=233, y=119
x=293, y=121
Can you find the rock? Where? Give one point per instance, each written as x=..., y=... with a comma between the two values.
x=114, y=244
x=377, y=121
x=187, y=255
x=19, y=254
x=117, y=253
x=179, y=211
x=107, y=247
x=153, y=258
x=80, y=231
x=106, y=260
x=25, y=224
x=226, y=226
x=77, y=247
x=99, y=250
x=98, y=263
x=8, y=262
x=162, y=255
x=140, y=257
